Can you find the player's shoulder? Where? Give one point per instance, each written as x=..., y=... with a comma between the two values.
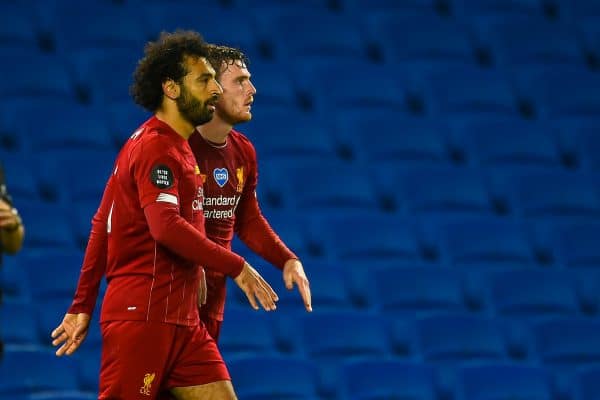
x=151, y=138
x=153, y=134
x=241, y=140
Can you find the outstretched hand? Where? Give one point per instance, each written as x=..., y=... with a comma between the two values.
x=255, y=287
x=70, y=333
x=293, y=273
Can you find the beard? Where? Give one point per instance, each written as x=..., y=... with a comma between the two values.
x=233, y=118
x=193, y=110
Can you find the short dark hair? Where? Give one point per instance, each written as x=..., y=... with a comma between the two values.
x=164, y=59
x=219, y=55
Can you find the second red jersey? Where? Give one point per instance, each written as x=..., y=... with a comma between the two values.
x=229, y=172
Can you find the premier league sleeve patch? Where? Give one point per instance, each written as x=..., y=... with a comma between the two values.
x=162, y=176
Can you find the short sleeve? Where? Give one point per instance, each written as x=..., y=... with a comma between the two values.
x=157, y=173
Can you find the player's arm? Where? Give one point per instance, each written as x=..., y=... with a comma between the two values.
x=72, y=330
x=157, y=179
x=255, y=231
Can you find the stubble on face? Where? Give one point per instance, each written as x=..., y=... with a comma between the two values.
x=194, y=110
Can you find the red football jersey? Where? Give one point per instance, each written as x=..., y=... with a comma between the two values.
x=230, y=176
x=151, y=220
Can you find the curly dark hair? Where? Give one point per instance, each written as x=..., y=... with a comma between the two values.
x=220, y=57
x=164, y=59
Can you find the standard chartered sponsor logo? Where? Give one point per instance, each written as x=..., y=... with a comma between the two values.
x=196, y=205
x=221, y=201
x=210, y=203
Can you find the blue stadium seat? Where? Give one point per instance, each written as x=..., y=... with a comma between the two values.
x=18, y=27
x=439, y=190
x=89, y=367
x=31, y=369
x=277, y=378
x=334, y=185
x=358, y=7
x=532, y=41
x=13, y=280
x=587, y=143
x=554, y=194
x=586, y=385
x=578, y=10
x=395, y=237
x=19, y=176
x=75, y=33
x=344, y=334
x=274, y=87
x=485, y=241
x=337, y=37
x=576, y=245
x=123, y=118
x=404, y=37
x=460, y=337
x=406, y=291
x=332, y=337
x=422, y=139
x=587, y=28
x=307, y=138
x=205, y=18
x=89, y=67
x=87, y=131
x=274, y=6
x=43, y=268
x=507, y=141
x=482, y=9
x=359, y=277
x=572, y=94
x=45, y=230
x=63, y=395
x=534, y=293
x=325, y=85
x=372, y=380
x=290, y=229
x=504, y=382
x=568, y=341
x=18, y=323
x=470, y=90
x=245, y=332
x=28, y=80
x=84, y=183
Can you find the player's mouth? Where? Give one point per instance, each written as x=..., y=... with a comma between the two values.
x=211, y=105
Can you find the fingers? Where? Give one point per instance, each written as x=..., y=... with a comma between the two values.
x=60, y=339
x=288, y=279
x=69, y=347
x=74, y=345
x=264, y=295
x=57, y=331
x=251, y=299
x=62, y=349
x=304, y=289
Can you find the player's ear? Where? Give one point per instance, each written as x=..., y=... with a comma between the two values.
x=171, y=89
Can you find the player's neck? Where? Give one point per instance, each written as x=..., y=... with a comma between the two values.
x=178, y=124
x=215, y=131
